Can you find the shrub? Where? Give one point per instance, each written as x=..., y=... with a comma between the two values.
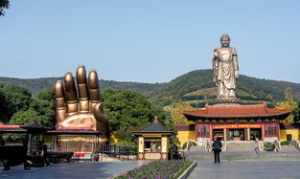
x=285, y=142
x=268, y=146
x=168, y=169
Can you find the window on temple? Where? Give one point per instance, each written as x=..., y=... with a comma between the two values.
x=271, y=130
x=203, y=131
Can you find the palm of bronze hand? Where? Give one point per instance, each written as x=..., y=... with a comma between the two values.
x=78, y=106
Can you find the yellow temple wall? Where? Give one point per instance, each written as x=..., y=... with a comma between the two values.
x=294, y=132
x=185, y=136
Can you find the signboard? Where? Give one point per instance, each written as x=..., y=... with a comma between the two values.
x=235, y=126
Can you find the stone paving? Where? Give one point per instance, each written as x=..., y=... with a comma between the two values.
x=247, y=165
x=72, y=171
x=234, y=166
x=247, y=170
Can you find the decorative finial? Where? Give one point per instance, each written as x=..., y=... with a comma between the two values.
x=156, y=119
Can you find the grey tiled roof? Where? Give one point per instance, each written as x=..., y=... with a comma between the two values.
x=155, y=126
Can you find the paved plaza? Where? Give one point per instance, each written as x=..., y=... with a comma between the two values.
x=72, y=171
x=247, y=170
x=247, y=165
x=233, y=166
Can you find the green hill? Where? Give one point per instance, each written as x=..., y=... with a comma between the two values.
x=198, y=84
x=38, y=84
x=195, y=85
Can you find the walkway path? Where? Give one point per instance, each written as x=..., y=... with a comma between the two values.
x=72, y=171
x=247, y=165
x=247, y=170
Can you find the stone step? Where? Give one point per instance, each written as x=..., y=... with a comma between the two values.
x=228, y=146
x=240, y=147
x=288, y=148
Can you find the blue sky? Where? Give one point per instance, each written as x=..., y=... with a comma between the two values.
x=148, y=41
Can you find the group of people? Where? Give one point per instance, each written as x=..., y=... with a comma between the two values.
x=217, y=148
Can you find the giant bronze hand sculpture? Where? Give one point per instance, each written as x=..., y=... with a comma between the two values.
x=79, y=106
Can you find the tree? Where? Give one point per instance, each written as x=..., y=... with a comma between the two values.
x=289, y=103
x=4, y=4
x=43, y=104
x=176, y=112
x=12, y=100
x=2, y=107
x=17, y=102
x=40, y=111
x=24, y=117
x=297, y=114
x=128, y=111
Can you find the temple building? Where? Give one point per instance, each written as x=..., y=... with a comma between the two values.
x=230, y=118
x=237, y=122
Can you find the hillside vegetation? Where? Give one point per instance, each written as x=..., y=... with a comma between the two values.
x=195, y=85
x=198, y=85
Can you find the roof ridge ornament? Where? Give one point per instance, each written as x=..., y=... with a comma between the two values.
x=156, y=120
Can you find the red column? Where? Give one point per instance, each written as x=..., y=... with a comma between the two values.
x=211, y=132
x=262, y=131
x=278, y=131
x=225, y=134
x=196, y=130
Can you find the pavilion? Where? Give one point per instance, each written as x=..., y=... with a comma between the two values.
x=153, y=141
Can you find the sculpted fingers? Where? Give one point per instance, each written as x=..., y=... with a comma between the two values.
x=93, y=86
x=102, y=123
x=59, y=101
x=82, y=89
x=81, y=82
x=59, y=95
x=95, y=102
x=70, y=94
x=98, y=110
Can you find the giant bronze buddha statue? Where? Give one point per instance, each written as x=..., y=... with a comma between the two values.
x=225, y=70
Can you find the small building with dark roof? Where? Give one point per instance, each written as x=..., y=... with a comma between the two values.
x=153, y=141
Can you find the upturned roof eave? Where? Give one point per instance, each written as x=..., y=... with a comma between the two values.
x=205, y=116
x=155, y=132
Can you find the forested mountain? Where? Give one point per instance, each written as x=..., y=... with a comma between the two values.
x=197, y=84
x=38, y=84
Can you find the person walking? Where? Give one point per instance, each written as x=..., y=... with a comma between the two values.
x=45, y=154
x=217, y=149
x=257, y=148
x=276, y=146
x=208, y=146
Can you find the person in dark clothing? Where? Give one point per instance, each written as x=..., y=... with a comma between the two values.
x=45, y=152
x=2, y=142
x=217, y=149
